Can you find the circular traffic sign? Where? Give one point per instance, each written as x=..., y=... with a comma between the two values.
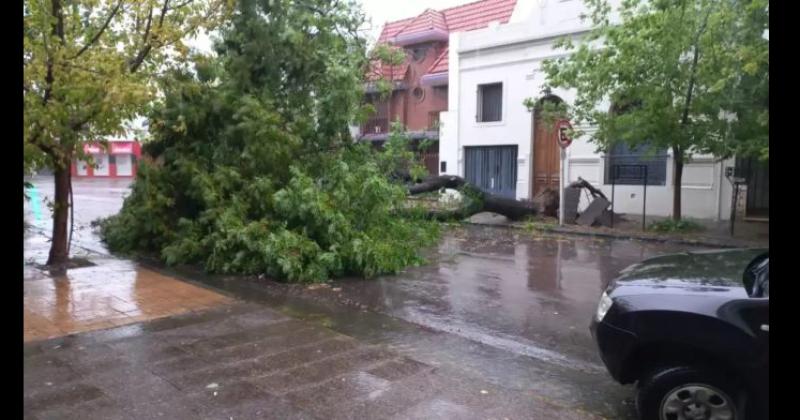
x=563, y=127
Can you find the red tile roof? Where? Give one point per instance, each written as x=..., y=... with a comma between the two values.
x=441, y=63
x=429, y=19
x=467, y=17
x=391, y=73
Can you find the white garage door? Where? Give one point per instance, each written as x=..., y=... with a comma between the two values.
x=101, y=165
x=124, y=165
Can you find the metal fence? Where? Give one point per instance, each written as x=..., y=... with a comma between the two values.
x=656, y=168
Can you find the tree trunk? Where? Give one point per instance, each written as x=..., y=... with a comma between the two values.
x=437, y=183
x=58, y=248
x=509, y=207
x=677, y=182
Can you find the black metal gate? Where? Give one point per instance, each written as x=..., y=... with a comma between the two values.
x=757, y=175
x=492, y=168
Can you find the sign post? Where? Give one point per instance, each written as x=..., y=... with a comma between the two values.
x=562, y=130
x=735, y=181
x=561, y=190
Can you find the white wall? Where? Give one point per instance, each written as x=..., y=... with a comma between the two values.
x=512, y=54
x=449, y=146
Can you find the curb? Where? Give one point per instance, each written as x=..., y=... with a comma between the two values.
x=622, y=236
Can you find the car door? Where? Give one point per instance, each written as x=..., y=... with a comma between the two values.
x=755, y=313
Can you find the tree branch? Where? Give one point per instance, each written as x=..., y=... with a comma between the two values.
x=100, y=31
x=142, y=55
x=58, y=31
x=693, y=75
x=179, y=5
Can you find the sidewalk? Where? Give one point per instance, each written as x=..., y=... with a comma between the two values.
x=715, y=234
x=244, y=361
x=109, y=292
x=126, y=342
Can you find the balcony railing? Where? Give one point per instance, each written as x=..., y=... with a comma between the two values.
x=376, y=125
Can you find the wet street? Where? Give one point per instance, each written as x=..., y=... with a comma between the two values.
x=494, y=326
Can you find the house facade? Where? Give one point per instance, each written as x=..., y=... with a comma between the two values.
x=420, y=84
x=118, y=160
x=491, y=139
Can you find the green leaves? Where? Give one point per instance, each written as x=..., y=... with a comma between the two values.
x=91, y=65
x=261, y=178
x=684, y=62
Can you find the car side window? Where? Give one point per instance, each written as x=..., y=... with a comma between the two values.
x=761, y=273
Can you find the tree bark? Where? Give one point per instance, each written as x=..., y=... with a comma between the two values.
x=437, y=183
x=509, y=207
x=58, y=248
x=677, y=182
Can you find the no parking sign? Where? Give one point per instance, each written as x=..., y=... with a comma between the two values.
x=563, y=127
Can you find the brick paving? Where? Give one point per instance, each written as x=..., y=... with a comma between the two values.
x=245, y=361
x=110, y=294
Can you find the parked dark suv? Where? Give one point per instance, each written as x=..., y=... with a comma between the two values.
x=692, y=330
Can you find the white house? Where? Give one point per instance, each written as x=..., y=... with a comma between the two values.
x=489, y=137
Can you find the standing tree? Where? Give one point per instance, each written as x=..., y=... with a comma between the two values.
x=90, y=65
x=254, y=168
x=690, y=75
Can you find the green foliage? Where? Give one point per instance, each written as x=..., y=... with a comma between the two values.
x=696, y=71
x=254, y=170
x=399, y=156
x=691, y=76
x=89, y=65
x=674, y=226
x=381, y=56
x=549, y=112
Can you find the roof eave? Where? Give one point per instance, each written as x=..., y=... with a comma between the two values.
x=421, y=36
x=434, y=79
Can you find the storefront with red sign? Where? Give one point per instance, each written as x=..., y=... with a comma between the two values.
x=119, y=159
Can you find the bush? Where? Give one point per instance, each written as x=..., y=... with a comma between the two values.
x=312, y=229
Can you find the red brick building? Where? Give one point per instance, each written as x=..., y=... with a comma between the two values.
x=419, y=85
x=119, y=160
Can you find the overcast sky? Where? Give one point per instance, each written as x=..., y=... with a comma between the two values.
x=377, y=12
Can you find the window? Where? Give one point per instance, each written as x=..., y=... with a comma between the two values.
x=419, y=53
x=490, y=102
x=621, y=155
x=419, y=93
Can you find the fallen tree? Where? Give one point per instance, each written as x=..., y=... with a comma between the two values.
x=475, y=200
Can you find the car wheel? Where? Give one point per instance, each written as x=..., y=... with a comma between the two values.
x=688, y=393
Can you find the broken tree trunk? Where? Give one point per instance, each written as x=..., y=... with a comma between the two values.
x=582, y=183
x=481, y=201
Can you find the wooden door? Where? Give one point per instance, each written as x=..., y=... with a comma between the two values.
x=546, y=157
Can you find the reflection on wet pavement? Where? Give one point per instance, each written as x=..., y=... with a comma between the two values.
x=508, y=307
x=110, y=294
x=531, y=295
